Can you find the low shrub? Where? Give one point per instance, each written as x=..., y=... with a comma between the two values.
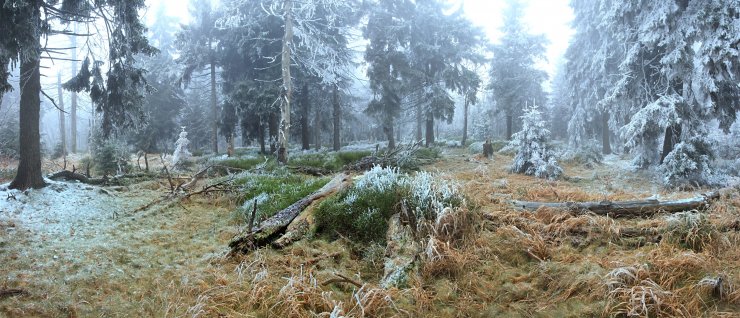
x=589, y=155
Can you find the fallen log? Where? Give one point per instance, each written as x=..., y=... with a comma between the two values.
x=69, y=175
x=270, y=229
x=637, y=208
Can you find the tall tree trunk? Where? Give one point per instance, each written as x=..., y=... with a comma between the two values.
x=62, y=126
x=605, y=145
x=509, y=124
x=261, y=136
x=287, y=86
x=337, y=115
x=73, y=104
x=29, y=164
x=466, y=109
x=305, y=110
x=419, y=123
x=146, y=162
x=317, y=128
x=272, y=131
x=214, y=108
x=672, y=137
x=388, y=130
x=430, y=130
x=230, y=145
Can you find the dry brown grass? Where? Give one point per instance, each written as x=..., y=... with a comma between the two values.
x=493, y=261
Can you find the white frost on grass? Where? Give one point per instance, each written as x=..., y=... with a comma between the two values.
x=60, y=208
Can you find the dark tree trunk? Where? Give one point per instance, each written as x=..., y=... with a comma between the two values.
x=272, y=128
x=429, y=130
x=509, y=124
x=337, y=116
x=605, y=145
x=261, y=136
x=419, y=123
x=466, y=107
x=146, y=162
x=305, y=111
x=214, y=109
x=672, y=136
x=388, y=130
x=29, y=164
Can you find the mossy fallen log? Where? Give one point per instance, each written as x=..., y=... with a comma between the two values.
x=272, y=228
x=636, y=208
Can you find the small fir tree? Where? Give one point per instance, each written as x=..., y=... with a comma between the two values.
x=533, y=156
x=182, y=155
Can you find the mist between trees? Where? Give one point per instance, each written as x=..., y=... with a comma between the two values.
x=654, y=80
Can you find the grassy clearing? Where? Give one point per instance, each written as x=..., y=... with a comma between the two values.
x=546, y=263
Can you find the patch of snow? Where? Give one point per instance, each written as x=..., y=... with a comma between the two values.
x=61, y=208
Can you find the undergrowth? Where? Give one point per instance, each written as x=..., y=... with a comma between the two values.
x=332, y=162
x=271, y=193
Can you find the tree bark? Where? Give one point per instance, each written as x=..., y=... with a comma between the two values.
x=214, y=107
x=605, y=144
x=638, y=208
x=672, y=136
x=261, y=136
x=29, y=164
x=305, y=110
x=62, y=126
x=337, y=115
x=388, y=130
x=272, y=228
x=509, y=124
x=287, y=84
x=466, y=110
x=272, y=132
x=73, y=104
x=429, y=130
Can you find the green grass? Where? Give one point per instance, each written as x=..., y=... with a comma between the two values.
x=281, y=191
x=247, y=163
x=332, y=162
x=363, y=218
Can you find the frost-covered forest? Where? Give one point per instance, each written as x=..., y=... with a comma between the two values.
x=370, y=158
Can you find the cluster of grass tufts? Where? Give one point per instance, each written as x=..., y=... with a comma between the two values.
x=691, y=230
x=362, y=212
x=272, y=193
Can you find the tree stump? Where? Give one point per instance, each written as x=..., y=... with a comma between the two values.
x=488, y=149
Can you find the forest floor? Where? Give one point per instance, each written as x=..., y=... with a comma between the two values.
x=72, y=250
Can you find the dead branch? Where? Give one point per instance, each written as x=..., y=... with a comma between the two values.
x=340, y=278
x=271, y=228
x=638, y=208
x=4, y=293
